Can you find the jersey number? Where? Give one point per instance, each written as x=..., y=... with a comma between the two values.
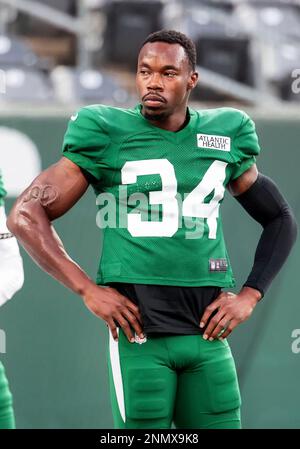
x=192, y=206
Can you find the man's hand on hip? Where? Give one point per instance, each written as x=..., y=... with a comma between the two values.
x=108, y=304
x=230, y=310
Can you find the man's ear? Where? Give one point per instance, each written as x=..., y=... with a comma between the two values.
x=193, y=80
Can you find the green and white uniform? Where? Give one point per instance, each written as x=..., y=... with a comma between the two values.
x=180, y=378
x=183, y=175
x=11, y=280
x=7, y=419
x=2, y=191
x=11, y=265
x=6, y=410
x=164, y=229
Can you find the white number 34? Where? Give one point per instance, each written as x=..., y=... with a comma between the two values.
x=192, y=206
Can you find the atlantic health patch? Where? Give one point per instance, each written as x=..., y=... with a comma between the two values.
x=212, y=142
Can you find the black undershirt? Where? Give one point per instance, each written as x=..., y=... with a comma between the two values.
x=169, y=309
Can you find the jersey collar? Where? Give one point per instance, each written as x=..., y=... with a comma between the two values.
x=170, y=135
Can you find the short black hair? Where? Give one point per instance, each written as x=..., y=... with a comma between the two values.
x=175, y=37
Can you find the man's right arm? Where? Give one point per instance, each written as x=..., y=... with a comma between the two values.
x=49, y=196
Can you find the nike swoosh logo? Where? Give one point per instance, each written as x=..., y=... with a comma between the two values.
x=74, y=117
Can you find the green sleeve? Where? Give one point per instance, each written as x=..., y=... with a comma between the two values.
x=246, y=145
x=2, y=191
x=85, y=141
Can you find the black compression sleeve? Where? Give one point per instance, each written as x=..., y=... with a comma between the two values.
x=265, y=204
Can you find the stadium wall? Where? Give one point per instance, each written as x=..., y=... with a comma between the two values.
x=56, y=350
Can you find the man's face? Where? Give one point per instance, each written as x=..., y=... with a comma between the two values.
x=164, y=79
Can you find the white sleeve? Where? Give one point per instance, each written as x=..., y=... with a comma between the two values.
x=11, y=265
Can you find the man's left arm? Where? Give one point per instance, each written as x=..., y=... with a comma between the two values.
x=261, y=198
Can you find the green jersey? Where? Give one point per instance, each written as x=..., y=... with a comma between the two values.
x=2, y=191
x=159, y=192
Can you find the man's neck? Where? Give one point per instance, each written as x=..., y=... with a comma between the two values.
x=174, y=123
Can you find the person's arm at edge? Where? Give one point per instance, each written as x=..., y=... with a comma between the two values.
x=11, y=264
x=49, y=196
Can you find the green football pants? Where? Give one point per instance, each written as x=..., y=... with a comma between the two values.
x=183, y=379
x=7, y=420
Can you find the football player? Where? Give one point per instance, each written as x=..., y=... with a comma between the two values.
x=11, y=280
x=162, y=168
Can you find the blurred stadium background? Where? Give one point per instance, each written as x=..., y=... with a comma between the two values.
x=56, y=55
